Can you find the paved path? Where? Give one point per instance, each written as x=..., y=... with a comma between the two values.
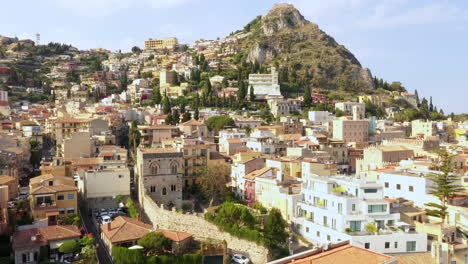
x=102, y=253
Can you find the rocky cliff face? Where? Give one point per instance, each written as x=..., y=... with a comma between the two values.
x=285, y=38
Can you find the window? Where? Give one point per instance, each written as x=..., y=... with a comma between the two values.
x=353, y=207
x=164, y=191
x=355, y=225
x=340, y=208
x=70, y=210
x=185, y=152
x=120, y=176
x=376, y=208
x=154, y=169
x=325, y=221
x=61, y=211
x=51, y=183
x=60, y=197
x=390, y=222
x=410, y=188
x=174, y=169
x=328, y=237
x=395, y=244
x=398, y=186
x=410, y=246
x=325, y=203
x=387, y=244
x=386, y=184
x=318, y=233
x=370, y=190
x=173, y=188
x=311, y=216
x=71, y=196
x=334, y=223
x=307, y=229
x=367, y=245
x=453, y=262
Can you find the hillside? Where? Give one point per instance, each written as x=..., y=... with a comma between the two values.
x=283, y=38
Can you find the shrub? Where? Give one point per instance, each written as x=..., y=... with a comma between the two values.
x=70, y=246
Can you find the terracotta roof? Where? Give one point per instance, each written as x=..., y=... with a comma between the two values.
x=174, y=235
x=53, y=189
x=4, y=103
x=416, y=258
x=125, y=229
x=84, y=161
x=192, y=122
x=268, y=127
x=106, y=154
x=43, y=235
x=4, y=179
x=257, y=173
x=46, y=177
x=345, y=255
x=112, y=148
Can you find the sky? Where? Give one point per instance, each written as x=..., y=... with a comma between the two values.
x=421, y=43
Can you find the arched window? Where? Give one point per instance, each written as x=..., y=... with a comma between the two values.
x=174, y=169
x=154, y=168
x=164, y=191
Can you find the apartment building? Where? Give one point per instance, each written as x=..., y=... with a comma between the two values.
x=351, y=130
x=195, y=155
x=423, y=129
x=160, y=175
x=348, y=107
x=154, y=135
x=194, y=128
x=63, y=128
x=159, y=44
x=341, y=208
x=319, y=117
x=380, y=156
x=51, y=196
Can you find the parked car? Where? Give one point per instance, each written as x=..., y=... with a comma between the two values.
x=105, y=219
x=240, y=259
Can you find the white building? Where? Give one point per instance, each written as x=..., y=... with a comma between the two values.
x=319, y=117
x=262, y=141
x=347, y=107
x=341, y=208
x=4, y=96
x=413, y=185
x=224, y=135
x=265, y=84
x=104, y=183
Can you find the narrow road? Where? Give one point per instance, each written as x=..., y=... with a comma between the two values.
x=102, y=253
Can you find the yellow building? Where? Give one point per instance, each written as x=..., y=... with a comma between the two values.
x=174, y=91
x=275, y=130
x=290, y=167
x=195, y=155
x=168, y=43
x=52, y=195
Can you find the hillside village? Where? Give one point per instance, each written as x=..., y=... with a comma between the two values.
x=224, y=151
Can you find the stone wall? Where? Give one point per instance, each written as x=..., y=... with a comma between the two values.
x=196, y=225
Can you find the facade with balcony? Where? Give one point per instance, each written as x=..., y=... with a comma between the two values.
x=340, y=208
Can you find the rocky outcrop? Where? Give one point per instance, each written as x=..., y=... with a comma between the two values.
x=284, y=37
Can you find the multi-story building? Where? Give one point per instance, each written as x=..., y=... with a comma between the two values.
x=380, y=156
x=341, y=208
x=240, y=169
x=153, y=135
x=65, y=127
x=159, y=44
x=52, y=195
x=195, y=158
x=160, y=175
x=318, y=117
x=347, y=107
x=351, y=130
x=194, y=128
x=420, y=128
x=265, y=85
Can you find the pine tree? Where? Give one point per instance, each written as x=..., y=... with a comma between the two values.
x=445, y=186
x=157, y=95
x=307, y=97
x=252, y=94
x=176, y=117
x=196, y=115
x=424, y=108
x=186, y=117
x=182, y=106
x=417, y=97
x=166, y=105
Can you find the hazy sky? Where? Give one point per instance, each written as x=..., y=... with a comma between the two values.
x=422, y=43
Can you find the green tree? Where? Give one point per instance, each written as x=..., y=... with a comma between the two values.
x=431, y=106
x=70, y=219
x=155, y=242
x=424, y=108
x=213, y=181
x=219, y=122
x=134, y=136
x=252, y=94
x=196, y=115
x=274, y=228
x=136, y=50
x=122, y=255
x=36, y=154
x=176, y=116
x=307, y=97
x=186, y=117
x=68, y=247
x=157, y=95
x=166, y=104
x=445, y=185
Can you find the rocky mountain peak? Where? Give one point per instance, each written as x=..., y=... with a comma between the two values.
x=282, y=16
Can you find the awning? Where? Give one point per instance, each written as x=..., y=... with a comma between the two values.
x=52, y=213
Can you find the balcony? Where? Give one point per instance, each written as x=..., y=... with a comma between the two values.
x=45, y=206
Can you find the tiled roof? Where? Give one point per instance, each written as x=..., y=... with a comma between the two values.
x=46, y=177
x=192, y=122
x=53, y=189
x=174, y=235
x=43, y=235
x=257, y=173
x=125, y=229
x=345, y=255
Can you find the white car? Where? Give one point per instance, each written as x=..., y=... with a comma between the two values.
x=105, y=219
x=240, y=259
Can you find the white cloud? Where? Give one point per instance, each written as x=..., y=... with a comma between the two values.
x=98, y=8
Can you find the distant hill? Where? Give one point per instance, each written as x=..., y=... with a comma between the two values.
x=283, y=38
